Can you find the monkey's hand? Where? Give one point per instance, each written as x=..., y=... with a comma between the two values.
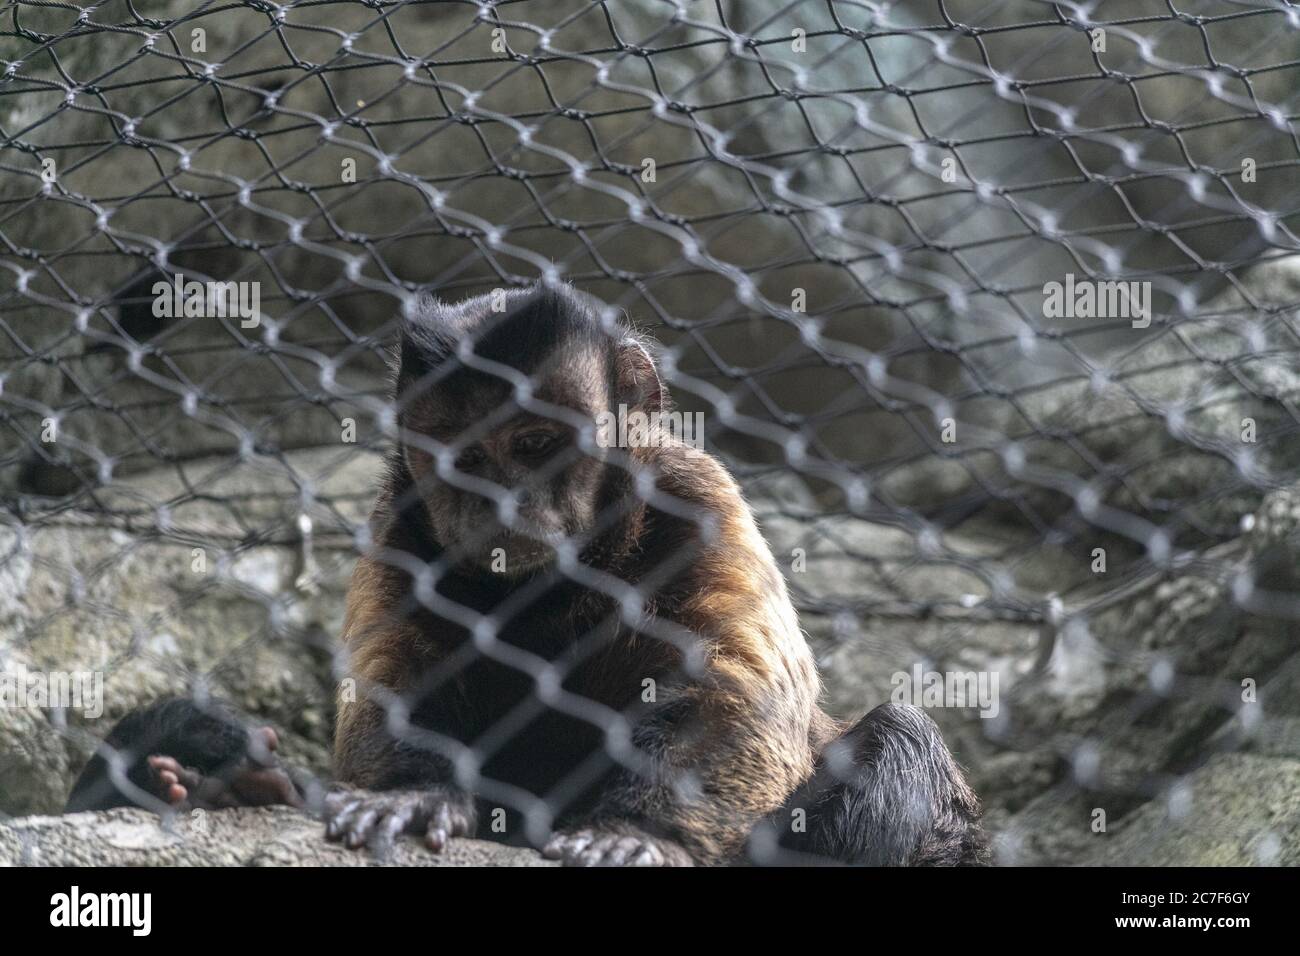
x=615, y=844
x=359, y=817
x=246, y=784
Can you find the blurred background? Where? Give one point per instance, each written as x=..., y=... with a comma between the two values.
x=839, y=219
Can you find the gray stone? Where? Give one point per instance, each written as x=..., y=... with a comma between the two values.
x=1236, y=810
x=107, y=595
x=263, y=836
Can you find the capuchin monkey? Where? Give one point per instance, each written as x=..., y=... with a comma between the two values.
x=586, y=648
x=597, y=636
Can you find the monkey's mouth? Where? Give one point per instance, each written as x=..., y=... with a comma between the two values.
x=518, y=549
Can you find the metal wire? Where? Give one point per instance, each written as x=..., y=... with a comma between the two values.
x=840, y=219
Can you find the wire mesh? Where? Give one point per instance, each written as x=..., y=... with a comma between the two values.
x=989, y=307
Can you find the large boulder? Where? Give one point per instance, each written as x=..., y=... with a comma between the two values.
x=262, y=836
x=233, y=602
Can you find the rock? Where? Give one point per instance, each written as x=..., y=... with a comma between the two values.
x=34, y=762
x=1236, y=810
x=261, y=836
x=209, y=608
x=1277, y=737
x=1162, y=419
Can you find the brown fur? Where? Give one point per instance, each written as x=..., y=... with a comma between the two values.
x=755, y=704
x=735, y=728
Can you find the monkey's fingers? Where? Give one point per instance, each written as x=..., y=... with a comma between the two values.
x=374, y=819
x=338, y=798
x=386, y=834
x=213, y=793
x=633, y=852
x=171, y=781
x=567, y=847
x=382, y=818
x=615, y=847
x=445, y=822
x=363, y=825
x=268, y=738
x=608, y=851
x=378, y=819
x=338, y=815
x=256, y=786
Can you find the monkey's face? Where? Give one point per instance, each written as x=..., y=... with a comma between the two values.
x=498, y=409
x=512, y=481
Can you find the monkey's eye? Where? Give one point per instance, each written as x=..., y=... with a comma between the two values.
x=471, y=457
x=535, y=444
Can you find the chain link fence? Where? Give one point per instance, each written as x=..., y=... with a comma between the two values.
x=990, y=307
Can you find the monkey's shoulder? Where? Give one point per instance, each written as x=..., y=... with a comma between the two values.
x=730, y=553
x=695, y=476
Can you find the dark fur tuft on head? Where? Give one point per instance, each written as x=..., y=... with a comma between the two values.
x=535, y=323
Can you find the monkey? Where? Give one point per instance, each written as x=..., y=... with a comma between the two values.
x=600, y=633
x=885, y=793
x=177, y=755
x=600, y=636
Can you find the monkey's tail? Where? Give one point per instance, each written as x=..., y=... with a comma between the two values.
x=885, y=793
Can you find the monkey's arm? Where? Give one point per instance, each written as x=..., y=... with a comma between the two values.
x=419, y=796
x=724, y=749
x=384, y=658
x=177, y=753
x=711, y=764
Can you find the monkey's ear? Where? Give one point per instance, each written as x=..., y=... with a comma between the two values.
x=638, y=381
